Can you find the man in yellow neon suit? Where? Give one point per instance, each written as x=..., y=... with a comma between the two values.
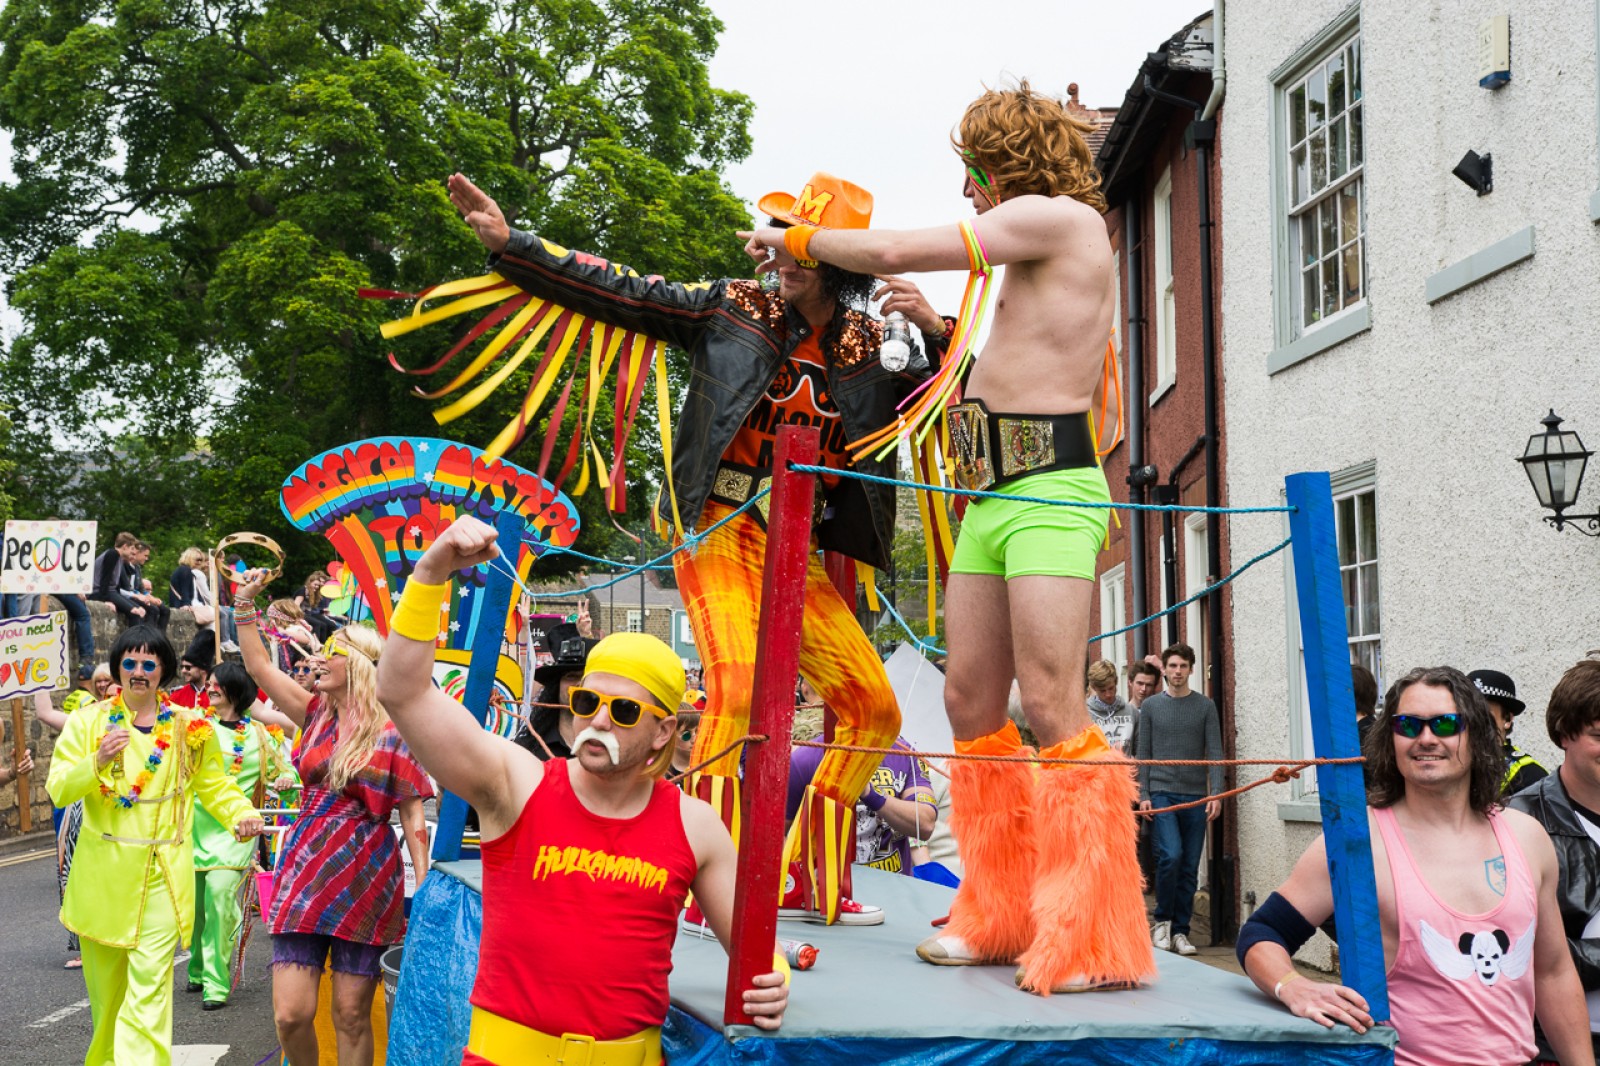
x=138, y=763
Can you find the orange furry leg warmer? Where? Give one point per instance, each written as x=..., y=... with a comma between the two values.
x=991, y=817
x=1087, y=901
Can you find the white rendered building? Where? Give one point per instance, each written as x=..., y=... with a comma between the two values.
x=1385, y=322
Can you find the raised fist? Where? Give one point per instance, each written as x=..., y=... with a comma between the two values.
x=465, y=543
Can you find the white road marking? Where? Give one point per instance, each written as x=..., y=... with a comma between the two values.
x=65, y=1012
x=198, y=1054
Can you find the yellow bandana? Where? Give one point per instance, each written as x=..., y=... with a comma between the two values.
x=644, y=660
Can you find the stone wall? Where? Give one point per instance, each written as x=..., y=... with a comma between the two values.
x=41, y=740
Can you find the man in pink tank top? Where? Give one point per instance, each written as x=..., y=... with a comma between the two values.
x=1472, y=935
x=597, y=846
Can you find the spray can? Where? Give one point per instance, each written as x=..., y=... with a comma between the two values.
x=801, y=956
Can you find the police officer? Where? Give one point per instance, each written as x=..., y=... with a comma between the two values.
x=1500, y=692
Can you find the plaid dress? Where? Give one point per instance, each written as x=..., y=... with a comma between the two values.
x=340, y=872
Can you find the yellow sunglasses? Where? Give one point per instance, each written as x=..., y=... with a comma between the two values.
x=625, y=711
x=334, y=646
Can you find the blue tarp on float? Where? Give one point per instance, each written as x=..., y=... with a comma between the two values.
x=870, y=1000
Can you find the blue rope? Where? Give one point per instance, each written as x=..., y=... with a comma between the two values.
x=921, y=644
x=615, y=564
x=929, y=646
x=691, y=541
x=804, y=468
x=1198, y=595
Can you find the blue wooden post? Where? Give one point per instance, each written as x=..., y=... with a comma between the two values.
x=1333, y=729
x=480, y=673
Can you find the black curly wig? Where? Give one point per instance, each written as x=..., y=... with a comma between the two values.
x=847, y=289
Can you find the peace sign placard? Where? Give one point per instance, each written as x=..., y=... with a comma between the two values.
x=42, y=557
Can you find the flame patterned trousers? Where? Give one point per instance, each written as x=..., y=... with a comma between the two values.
x=721, y=586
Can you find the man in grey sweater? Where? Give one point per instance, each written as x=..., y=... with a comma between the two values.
x=1178, y=724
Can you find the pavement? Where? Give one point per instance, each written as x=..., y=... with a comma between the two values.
x=46, y=1006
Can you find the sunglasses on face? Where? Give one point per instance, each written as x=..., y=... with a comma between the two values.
x=625, y=711
x=687, y=735
x=979, y=176
x=332, y=648
x=140, y=666
x=1410, y=726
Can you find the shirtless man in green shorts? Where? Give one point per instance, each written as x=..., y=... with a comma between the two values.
x=1017, y=602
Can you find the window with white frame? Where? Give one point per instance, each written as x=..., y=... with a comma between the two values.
x=635, y=622
x=1166, y=315
x=1113, y=616
x=1356, y=536
x=1196, y=558
x=1357, y=518
x=685, y=630
x=1322, y=112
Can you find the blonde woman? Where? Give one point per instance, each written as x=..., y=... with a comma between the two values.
x=337, y=889
x=190, y=587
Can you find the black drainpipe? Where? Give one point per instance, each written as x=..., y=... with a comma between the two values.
x=1133, y=352
x=1168, y=496
x=1200, y=136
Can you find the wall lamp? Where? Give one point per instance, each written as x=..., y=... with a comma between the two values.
x=1555, y=461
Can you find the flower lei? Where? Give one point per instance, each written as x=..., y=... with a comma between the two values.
x=152, y=763
x=240, y=728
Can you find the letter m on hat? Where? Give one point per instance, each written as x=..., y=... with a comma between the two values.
x=810, y=204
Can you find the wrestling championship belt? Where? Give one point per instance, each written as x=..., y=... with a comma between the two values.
x=992, y=449
x=735, y=484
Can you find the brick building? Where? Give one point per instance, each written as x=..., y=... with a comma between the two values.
x=1158, y=160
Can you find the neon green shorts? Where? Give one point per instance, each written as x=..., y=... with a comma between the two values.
x=1014, y=538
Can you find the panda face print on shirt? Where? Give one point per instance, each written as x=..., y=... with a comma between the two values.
x=1488, y=954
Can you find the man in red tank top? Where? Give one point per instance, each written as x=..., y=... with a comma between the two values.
x=598, y=846
x=1473, y=941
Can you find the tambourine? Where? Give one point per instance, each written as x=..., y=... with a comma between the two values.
x=218, y=556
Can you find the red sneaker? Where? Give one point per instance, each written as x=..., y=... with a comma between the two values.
x=797, y=907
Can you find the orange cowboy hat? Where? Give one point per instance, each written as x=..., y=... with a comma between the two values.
x=826, y=201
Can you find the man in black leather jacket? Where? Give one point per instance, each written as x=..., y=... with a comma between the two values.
x=759, y=360
x=1567, y=804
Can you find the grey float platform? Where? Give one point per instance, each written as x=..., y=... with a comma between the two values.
x=870, y=1000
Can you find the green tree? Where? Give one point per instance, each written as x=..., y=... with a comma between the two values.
x=202, y=189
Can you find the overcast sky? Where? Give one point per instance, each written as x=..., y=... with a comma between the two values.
x=875, y=98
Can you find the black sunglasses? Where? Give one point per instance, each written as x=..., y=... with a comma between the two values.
x=625, y=710
x=1411, y=726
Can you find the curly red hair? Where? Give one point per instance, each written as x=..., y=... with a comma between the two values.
x=1029, y=143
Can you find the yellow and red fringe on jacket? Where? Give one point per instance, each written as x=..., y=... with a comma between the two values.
x=522, y=323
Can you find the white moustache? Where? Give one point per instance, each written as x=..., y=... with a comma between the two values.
x=606, y=739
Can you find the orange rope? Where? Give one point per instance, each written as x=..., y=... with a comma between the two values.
x=697, y=767
x=1286, y=770
x=947, y=755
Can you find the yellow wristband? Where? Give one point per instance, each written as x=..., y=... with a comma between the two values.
x=781, y=965
x=797, y=239
x=1277, y=989
x=416, y=616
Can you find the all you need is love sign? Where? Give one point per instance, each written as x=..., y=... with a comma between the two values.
x=33, y=654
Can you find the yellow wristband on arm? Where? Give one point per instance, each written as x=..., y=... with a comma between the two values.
x=781, y=965
x=416, y=616
x=1277, y=989
x=797, y=240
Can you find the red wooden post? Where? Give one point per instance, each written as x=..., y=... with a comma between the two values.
x=766, y=767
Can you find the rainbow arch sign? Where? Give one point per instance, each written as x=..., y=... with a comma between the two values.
x=381, y=503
